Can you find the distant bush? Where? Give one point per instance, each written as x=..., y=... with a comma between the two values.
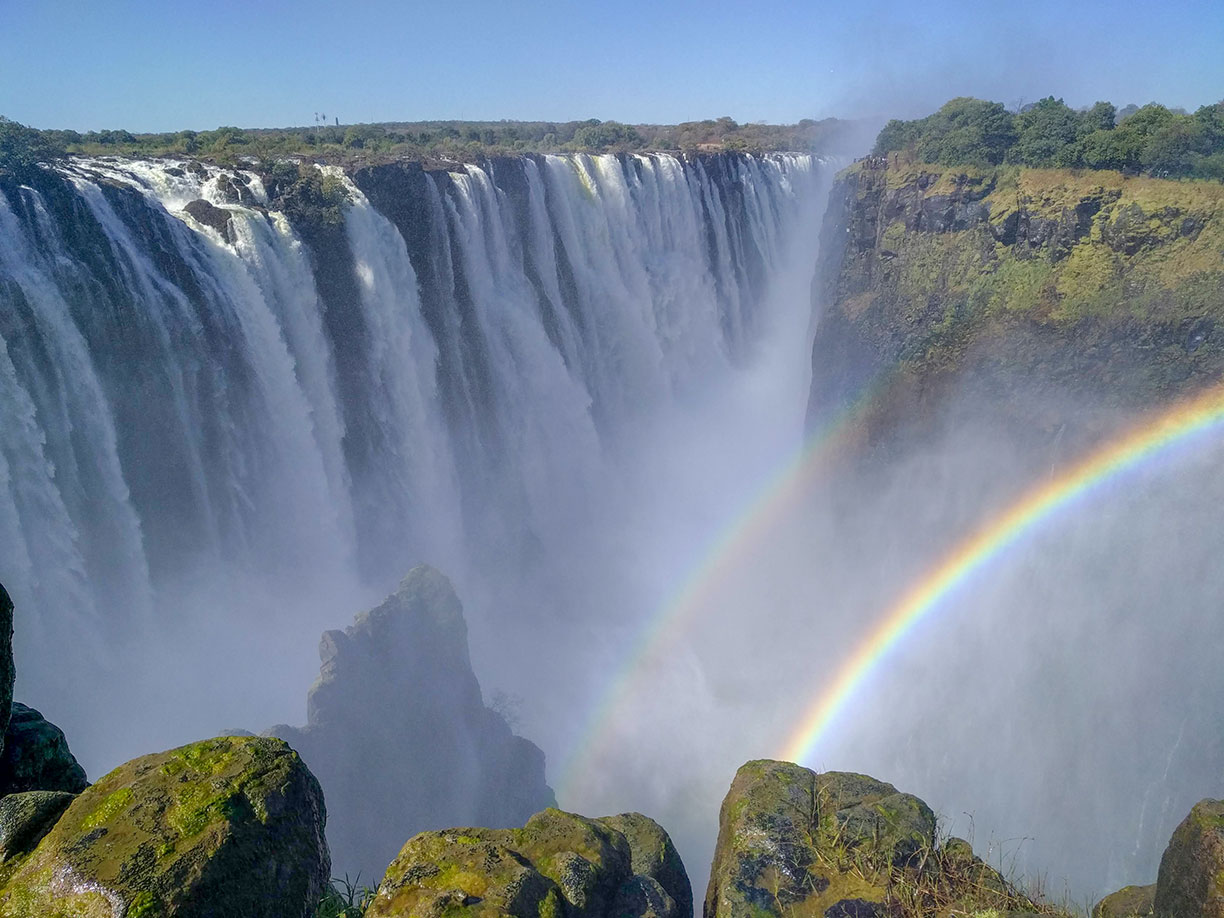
x=1153, y=139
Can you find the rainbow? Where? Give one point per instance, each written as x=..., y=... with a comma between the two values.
x=1148, y=441
x=747, y=527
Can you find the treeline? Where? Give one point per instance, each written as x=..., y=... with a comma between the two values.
x=1153, y=140
x=447, y=140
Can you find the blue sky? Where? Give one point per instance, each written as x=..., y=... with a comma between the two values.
x=165, y=66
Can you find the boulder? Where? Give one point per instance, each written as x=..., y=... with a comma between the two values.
x=228, y=826
x=792, y=840
x=399, y=736
x=653, y=855
x=558, y=865
x=212, y=216
x=36, y=756
x=1127, y=902
x=1190, y=882
x=8, y=671
x=25, y=818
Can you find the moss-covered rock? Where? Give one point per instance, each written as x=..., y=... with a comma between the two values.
x=1021, y=283
x=1190, y=883
x=36, y=756
x=799, y=844
x=229, y=826
x=653, y=855
x=1127, y=902
x=792, y=842
x=25, y=818
x=558, y=865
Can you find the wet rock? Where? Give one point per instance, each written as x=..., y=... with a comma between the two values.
x=36, y=756
x=230, y=826
x=1190, y=883
x=399, y=736
x=212, y=216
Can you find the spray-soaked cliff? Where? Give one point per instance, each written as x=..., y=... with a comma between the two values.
x=979, y=331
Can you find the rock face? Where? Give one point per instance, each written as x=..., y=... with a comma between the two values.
x=36, y=756
x=1127, y=902
x=229, y=826
x=8, y=671
x=399, y=737
x=557, y=866
x=1027, y=284
x=1190, y=883
x=783, y=828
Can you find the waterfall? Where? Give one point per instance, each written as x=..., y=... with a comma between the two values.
x=225, y=428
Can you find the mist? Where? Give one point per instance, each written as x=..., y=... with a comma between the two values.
x=1058, y=709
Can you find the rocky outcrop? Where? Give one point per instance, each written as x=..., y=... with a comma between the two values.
x=783, y=829
x=212, y=216
x=841, y=845
x=8, y=671
x=558, y=865
x=1022, y=285
x=229, y=826
x=1190, y=883
x=36, y=756
x=1127, y=902
x=399, y=736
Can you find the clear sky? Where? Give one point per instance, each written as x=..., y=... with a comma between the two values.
x=147, y=66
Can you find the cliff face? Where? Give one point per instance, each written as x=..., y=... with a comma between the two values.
x=1037, y=289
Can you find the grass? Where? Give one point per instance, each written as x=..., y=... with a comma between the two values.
x=345, y=898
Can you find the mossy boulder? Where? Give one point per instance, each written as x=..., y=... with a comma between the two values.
x=653, y=855
x=791, y=841
x=559, y=865
x=228, y=826
x=36, y=756
x=8, y=671
x=26, y=818
x=1127, y=902
x=1190, y=883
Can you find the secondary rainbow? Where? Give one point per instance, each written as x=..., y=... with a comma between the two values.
x=744, y=529
x=1197, y=417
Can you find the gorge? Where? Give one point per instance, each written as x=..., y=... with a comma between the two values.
x=241, y=402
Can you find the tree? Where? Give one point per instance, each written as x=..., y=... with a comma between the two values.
x=23, y=148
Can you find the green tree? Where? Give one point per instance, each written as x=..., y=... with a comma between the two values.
x=23, y=148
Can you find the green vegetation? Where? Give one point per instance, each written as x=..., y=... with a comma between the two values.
x=345, y=899
x=1152, y=140
x=21, y=148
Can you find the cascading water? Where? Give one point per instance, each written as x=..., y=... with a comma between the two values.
x=221, y=436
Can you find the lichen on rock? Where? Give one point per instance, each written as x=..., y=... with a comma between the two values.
x=559, y=865
x=229, y=826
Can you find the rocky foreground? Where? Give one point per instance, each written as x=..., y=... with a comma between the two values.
x=235, y=826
